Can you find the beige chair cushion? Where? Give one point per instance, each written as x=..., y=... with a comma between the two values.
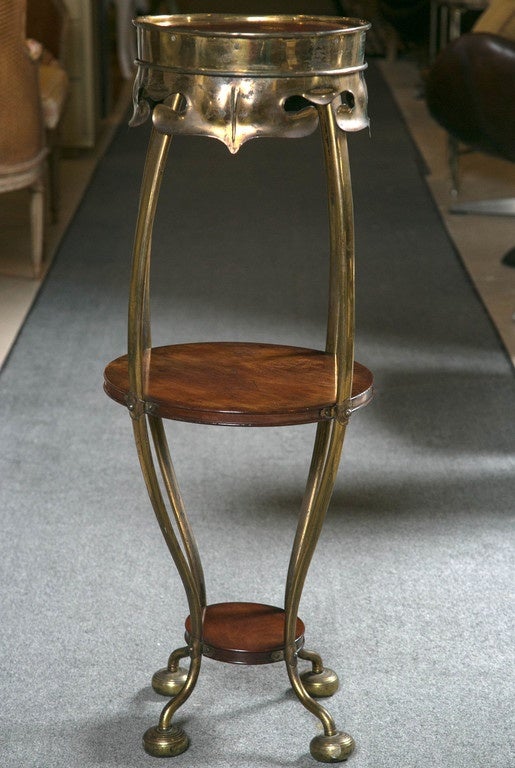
x=53, y=84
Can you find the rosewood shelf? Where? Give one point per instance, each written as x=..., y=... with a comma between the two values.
x=238, y=384
x=245, y=633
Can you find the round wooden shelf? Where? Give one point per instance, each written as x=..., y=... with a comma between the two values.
x=245, y=633
x=238, y=384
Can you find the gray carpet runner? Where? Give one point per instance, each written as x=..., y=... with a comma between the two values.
x=408, y=594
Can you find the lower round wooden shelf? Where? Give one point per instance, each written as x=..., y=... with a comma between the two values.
x=245, y=633
x=239, y=384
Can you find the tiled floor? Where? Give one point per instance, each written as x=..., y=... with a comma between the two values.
x=480, y=240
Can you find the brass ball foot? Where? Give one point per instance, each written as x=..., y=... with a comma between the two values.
x=167, y=743
x=320, y=684
x=332, y=749
x=169, y=683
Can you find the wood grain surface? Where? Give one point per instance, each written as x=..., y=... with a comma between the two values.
x=237, y=384
x=245, y=633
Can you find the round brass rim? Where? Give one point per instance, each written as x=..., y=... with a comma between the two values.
x=251, y=46
x=240, y=25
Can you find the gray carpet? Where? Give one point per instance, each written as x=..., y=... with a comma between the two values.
x=409, y=593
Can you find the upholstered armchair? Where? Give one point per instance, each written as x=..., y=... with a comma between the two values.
x=470, y=91
x=47, y=24
x=22, y=136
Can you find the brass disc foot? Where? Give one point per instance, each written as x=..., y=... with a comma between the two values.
x=332, y=749
x=169, y=683
x=169, y=743
x=320, y=684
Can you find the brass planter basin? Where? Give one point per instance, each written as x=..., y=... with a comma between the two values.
x=236, y=78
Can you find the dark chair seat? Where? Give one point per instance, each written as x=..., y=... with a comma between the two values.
x=470, y=91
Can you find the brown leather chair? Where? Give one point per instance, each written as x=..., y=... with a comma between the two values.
x=470, y=91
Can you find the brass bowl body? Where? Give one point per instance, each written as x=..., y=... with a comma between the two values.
x=233, y=77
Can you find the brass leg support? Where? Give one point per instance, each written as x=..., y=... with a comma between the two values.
x=333, y=746
x=165, y=739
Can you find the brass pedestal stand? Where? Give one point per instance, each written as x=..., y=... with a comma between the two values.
x=236, y=78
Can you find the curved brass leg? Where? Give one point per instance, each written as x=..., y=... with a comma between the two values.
x=166, y=738
x=319, y=681
x=177, y=505
x=333, y=745
x=182, y=682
